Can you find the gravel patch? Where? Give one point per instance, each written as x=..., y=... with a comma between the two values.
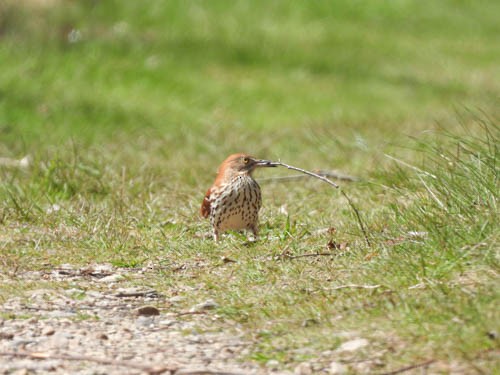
x=100, y=327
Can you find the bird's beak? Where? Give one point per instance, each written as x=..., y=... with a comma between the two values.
x=265, y=163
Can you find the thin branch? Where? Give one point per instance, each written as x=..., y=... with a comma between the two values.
x=331, y=174
x=337, y=175
x=305, y=255
x=408, y=368
x=182, y=313
x=358, y=217
x=354, y=286
x=146, y=293
x=322, y=178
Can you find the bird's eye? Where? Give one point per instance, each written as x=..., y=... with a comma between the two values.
x=246, y=160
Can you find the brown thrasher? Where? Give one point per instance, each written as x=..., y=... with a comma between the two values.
x=234, y=200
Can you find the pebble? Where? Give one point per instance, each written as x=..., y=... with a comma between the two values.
x=353, y=345
x=337, y=368
x=111, y=278
x=148, y=311
x=6, y=336
x=48, y=331
x=102, y=268
x=72, y=291
x=303, y=368
x=272, y=364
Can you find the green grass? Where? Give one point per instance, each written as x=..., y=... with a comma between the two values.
x=127, y=124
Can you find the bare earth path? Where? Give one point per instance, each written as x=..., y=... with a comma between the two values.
x=101, y=325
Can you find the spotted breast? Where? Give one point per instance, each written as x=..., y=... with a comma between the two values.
x=234, y=200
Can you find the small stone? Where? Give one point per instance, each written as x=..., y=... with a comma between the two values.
x=102, y=336
x=148, y=311
x=492, y=335
x=48, y=331
x=6, y=336
x=337, y=368
x=272, y=364
x=103, y=268
x=353, y=345
x=73, y=291
x=111, y=278
x=303, y=368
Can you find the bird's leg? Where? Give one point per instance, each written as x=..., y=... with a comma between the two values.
x=216, y=235
x=255, y=232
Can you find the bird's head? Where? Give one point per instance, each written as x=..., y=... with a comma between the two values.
x=242, y=164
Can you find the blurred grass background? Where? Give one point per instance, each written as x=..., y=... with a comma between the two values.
x=126, y=109
x=91, y=69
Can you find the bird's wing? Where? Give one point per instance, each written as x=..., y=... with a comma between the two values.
x=205, y=206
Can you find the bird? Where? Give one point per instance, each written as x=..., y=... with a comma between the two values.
x=234, y=200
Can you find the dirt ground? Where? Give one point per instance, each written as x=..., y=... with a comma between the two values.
x=97, y=326
x=96, y=320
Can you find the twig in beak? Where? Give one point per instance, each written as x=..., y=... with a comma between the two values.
x=323, y=178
